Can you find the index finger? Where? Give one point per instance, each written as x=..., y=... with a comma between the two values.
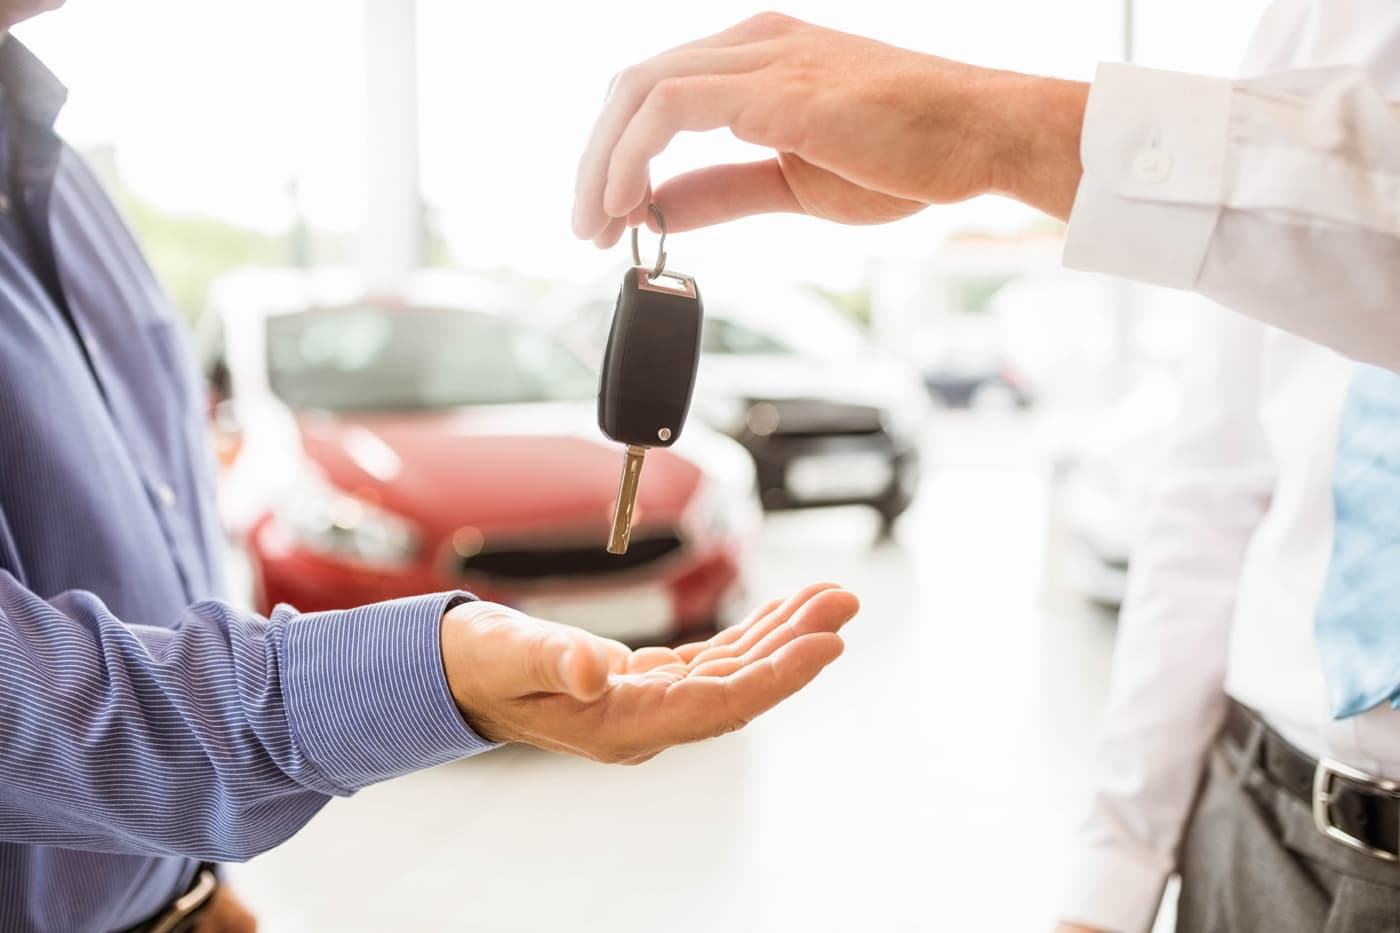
x=704, y=707
x=688, y=652
x=716, y=54
x=737, y=641
x=828, y=611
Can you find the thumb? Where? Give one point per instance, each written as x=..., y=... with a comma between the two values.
x=721, y=193
x=491, y=652
x=585, y=668
x=558, y=659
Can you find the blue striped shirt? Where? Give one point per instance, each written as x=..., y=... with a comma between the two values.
x=144, y=725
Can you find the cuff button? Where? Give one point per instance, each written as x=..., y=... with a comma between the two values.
x=1153, y=165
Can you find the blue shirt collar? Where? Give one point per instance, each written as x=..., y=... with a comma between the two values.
x=28, y=84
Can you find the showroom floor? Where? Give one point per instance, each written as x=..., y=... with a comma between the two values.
x=925, y=782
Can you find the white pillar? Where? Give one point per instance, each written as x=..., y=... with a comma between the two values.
x=392, y=240
x=1126, y=293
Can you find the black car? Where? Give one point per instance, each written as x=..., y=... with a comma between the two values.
x=823, y=430
x=817, y=452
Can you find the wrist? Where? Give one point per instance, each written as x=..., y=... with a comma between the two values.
x=472, y=636
x=453, y=639
x=1034, y=139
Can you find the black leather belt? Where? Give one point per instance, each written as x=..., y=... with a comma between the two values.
x=184, y=913
x=1355, y=809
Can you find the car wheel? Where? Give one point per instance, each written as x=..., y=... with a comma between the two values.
x=889, y=511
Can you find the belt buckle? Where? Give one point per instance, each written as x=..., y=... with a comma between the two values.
x=1327, y=771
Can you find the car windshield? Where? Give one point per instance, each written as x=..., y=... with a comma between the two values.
x=370, y=358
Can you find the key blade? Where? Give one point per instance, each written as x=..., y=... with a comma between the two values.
x=626, y=499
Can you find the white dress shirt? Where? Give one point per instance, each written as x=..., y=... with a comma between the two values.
x=1278, y=196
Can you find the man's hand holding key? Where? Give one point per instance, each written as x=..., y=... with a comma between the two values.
x=861, y=132
x=519, y=679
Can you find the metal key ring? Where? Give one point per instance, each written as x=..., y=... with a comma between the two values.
x=660, y=266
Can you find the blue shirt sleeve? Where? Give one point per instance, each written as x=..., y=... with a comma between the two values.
x=216, y=739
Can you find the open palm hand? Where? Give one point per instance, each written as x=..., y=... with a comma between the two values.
x=520, y=679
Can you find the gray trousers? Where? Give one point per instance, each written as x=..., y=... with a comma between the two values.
x=1252, y=862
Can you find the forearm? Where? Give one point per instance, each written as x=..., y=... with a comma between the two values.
x=1035, y=125
x=216, y=739
x=1166, y=702
x=1167, y=695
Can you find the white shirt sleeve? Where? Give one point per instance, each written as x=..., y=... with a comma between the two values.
x=1277, y=196
x=1167, y=697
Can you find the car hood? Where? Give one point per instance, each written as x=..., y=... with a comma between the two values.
x=500, y=468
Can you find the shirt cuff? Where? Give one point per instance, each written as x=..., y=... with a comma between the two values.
x=366, y=694
x=1154, y=148
x=1115, y=890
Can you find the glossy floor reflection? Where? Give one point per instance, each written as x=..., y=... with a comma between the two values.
x=925, y=782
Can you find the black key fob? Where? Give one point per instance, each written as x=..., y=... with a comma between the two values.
x=648, y=370
x=649, y=365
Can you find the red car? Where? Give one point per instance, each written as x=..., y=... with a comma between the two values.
x=390, y=446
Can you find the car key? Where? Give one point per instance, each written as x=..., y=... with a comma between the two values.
x=648, y=369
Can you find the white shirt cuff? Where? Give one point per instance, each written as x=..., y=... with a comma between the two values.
x=1113, y=889
x=1154, y=149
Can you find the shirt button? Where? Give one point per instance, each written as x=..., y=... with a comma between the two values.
x=1153, y=165
x=165, y=494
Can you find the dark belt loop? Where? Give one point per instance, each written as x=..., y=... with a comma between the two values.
x=1251, y=754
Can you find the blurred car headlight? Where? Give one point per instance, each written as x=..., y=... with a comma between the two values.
x=716, y=513
x=907, y=419
x=330, y=521
x=725, y=414
x=725, y=502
